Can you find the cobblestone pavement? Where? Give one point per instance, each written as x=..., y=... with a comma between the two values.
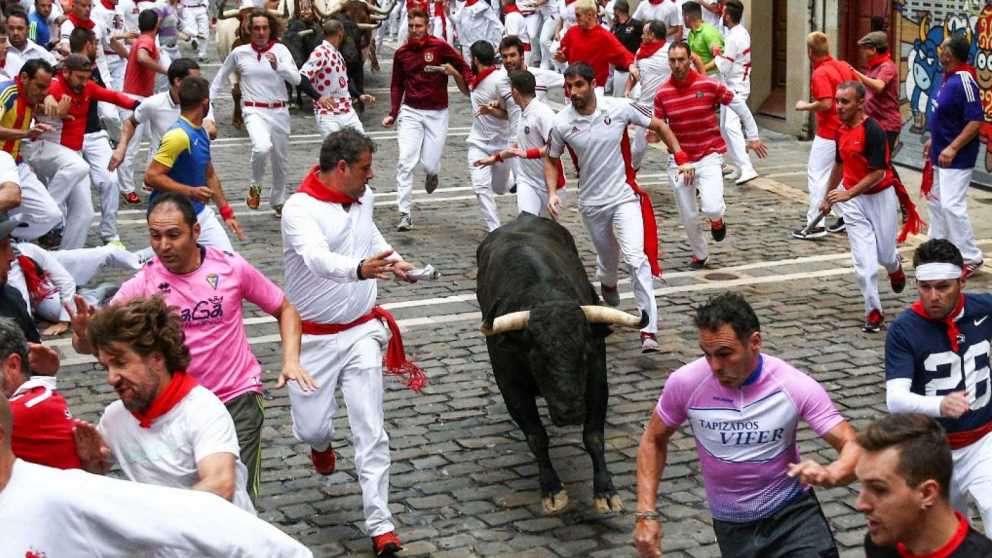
x=463, y=480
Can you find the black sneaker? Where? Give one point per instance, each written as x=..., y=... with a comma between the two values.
x=838, y=226
x=611, y=295
x=815, y=232
x=697, y=264
x=718, y=229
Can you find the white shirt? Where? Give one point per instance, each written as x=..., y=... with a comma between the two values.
x=532, y=133
x=514, y=24
x=544, y=80
x=322, y=244
x=112, y=23
x=11, y=64
x=735, y=62
x=31, y=51
x=712, y=18
x=478, y=22
x=328, y=74
x=160, y=112
x=655, y=70
x=259, y=82
x=489, y=132
x=666, y=12
x=167, y=454
x=55, y=512
x=596, y=141
x=57, y=276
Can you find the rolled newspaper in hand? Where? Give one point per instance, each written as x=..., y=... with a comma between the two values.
x=427, y=273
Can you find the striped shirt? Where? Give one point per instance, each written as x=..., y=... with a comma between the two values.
x=14, y=114
x=690, y=108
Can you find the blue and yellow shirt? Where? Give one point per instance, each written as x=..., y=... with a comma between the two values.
x=14, y=114
x=185, y=149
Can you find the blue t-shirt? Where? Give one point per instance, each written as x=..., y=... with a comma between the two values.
x=185, y=149
x=38, y=29
x=918, y=349
x=958, y=103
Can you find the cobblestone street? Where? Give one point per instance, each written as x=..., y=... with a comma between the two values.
x=464, y=482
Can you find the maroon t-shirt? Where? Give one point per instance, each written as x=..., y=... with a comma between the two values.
x=884, y=106
x=139, y=80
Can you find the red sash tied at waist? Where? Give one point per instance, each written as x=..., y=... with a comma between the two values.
x=395, y=361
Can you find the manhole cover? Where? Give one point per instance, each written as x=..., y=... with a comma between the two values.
x=720, y=276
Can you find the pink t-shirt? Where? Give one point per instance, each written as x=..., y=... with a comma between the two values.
x=209, y=303
x=746, y=437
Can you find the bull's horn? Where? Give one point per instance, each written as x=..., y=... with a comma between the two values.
x=368, y=25
x=305, y=33
x=514, y=321
x=377, y=9
x=229, y=13
x=274, y=13
x=377, y=17
x=607, y=315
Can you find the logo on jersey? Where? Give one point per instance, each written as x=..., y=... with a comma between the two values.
x=607, y=121
x=213, y=279
x=164, y=287
x=979, y=322
x=203, y=312
x=428, y=57
x=700, y=94
x=527, y=131
x=960, y=339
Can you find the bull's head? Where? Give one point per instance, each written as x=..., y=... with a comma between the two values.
x=565, y=344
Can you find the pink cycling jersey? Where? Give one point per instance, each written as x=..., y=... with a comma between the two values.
x=746, y=437
x=209, y=303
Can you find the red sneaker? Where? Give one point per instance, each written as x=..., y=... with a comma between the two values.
x=898, y=281
x=323, y=461
x=972, y=268
x=873, y=322
x=386, y=544
x=131, y=198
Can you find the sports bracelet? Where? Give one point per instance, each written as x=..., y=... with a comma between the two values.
x=681, y=158
x=533, y=153
x=638, y=516
x=499, y=156
x=226, y=212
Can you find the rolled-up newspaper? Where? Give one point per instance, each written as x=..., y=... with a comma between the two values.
x=426, y=273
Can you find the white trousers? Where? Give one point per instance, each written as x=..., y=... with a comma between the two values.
x=534, y=23
x=822, y=155
x=212, y=231
x=351, y=360
x=708, y=183
x=196, y=22
x=733, y=134
x=421, y=135
x=532, y=197
x=616, y=231
x=972, y=478
x=618, y=83
x=638, y=146
x=96, y=153
x=872, y=226
x=548, y=61
x=268, y=130
x=488, y=181
x=126, y=170
x=67, y=175
x=38, y=212
x=948, y=206
x=83, y=264
x=330, y=123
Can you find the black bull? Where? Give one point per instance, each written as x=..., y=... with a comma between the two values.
x=559, y=352
x=302, y=37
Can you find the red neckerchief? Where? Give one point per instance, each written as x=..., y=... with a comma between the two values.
x=647, y=50
x=510, y=8
x=260, y=51
x=655, y=2
x=85, y=24
x=313, y=187
x=690, y=78
x=569, y=2
x=948, y=549
x=470, y=3
x=178, y=388
x=966, y=67
x=110, y=6
x=481, y=76
x=949, y=321
x=877, y=60
x=35, y=279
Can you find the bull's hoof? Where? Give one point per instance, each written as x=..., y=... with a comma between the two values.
x=613, y=504
x=554, y=503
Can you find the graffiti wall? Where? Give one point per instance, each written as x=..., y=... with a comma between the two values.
x=922, y=27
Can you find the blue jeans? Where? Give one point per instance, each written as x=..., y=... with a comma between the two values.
x=798, y=530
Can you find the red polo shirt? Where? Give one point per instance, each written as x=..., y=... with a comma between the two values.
x=139, y=80
x=827, y=75
x=863, y=149
x=596, y=47
x=884, y=106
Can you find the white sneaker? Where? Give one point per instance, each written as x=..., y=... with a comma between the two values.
x=405, y=223
x=747, y=176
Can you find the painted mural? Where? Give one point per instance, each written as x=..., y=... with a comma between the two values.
x=922, y=26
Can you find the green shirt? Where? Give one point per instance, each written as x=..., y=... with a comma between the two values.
x=702, y=40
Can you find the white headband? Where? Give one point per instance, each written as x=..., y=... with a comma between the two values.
x=938, y=271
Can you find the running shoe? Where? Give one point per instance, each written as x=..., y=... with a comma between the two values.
x=130, y=198
x=254, y=198
x=277, y=209
x=898, y=280
x=323, y=461
x=405, y=223
x=697, y=264
x=611, y=295
x=116, y=243
x=386, y=544
x=718, y=229
x=747, y=176
x=873, y=323
x=838, y=226
x=815, y=232
x=649, y=343
x=430, y=183
x=972, y=268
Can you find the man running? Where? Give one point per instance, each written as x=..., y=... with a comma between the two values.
x=686, y=102
x=653, y=69
x=590, y=43
x=937, y=364
x=419, y=107
x=733, y=63
x=744, y=407
x=511, y=50
x=616, y=212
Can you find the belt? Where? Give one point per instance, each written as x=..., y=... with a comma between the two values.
x=195, y=6
x=256, y=104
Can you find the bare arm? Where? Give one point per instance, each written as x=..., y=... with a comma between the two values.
x=149, y=63
x=838, y=473
x=127, y=132
x=652, y=455
x=10, y=196
x=875, y=85
x=157, y=177
x=217, y=475
x=290, y=331
x=220, y=200
x=819, y=105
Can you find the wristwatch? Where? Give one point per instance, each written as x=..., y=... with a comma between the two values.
x=642, y=515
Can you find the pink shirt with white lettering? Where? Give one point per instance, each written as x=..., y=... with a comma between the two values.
x=209, y=303
x=746, y=437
